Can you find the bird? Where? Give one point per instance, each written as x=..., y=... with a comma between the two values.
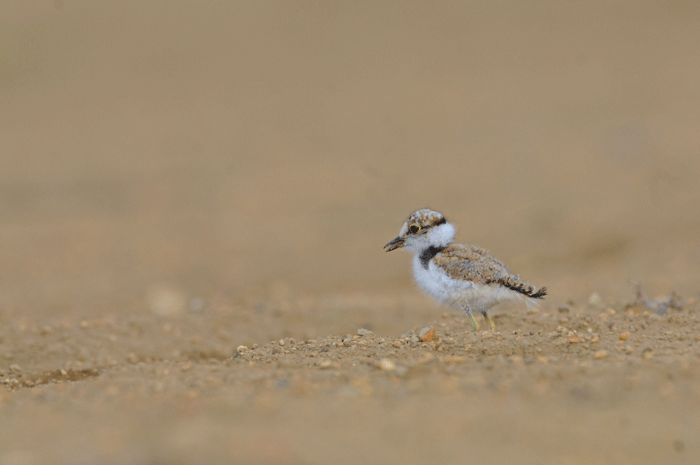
x=465, y=277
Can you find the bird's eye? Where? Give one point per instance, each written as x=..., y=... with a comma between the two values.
x=414, y=228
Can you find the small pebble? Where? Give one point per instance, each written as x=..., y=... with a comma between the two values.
x=600, y=354
x=595, y=300
x=624, y=336
x=386, y=365
x=411, y=337
x=427, y=334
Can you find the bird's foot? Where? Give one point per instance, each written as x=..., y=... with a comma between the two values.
x=475, y=324
x=492, y=324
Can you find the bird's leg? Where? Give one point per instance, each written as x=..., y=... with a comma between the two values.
x=492, y=324
x=475, y=324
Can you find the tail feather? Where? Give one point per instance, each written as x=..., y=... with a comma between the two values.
x=539, y=294
x=528, y=291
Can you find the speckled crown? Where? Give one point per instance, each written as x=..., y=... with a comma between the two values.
x=425, y=218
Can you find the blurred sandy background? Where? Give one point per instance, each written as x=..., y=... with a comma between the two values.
x=236, y=153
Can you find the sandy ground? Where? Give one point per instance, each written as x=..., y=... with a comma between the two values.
x=194, y=199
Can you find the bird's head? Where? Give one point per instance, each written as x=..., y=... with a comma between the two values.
x=423, y=229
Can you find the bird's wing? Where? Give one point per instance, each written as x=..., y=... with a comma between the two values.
x=468, y=262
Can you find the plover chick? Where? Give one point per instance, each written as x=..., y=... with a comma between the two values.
x=465, y=277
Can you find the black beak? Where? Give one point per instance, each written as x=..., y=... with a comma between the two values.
x=395, y=244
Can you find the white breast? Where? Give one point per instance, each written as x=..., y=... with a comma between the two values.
x=436, y=283
x=457, y=293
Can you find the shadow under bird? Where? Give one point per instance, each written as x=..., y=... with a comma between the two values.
x=462, y=276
